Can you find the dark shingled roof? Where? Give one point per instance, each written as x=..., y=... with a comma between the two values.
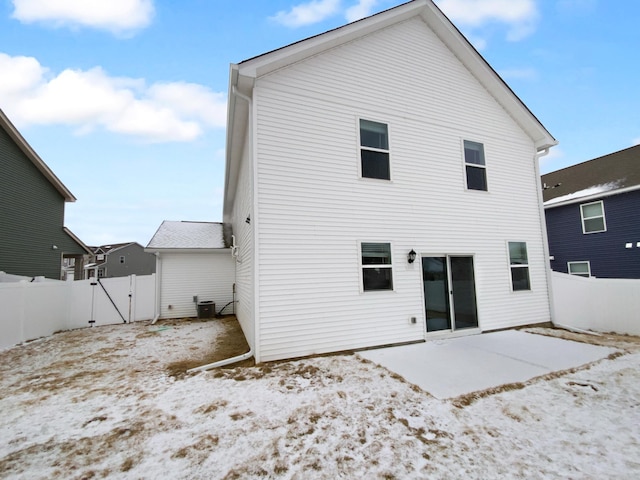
x=605, y=174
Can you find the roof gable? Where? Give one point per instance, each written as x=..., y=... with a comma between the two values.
x=606, y=175
x=22, y=144
x=243, y=75
x=437, y=22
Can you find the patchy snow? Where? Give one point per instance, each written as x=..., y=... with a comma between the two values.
x=594, y=190
x=98, y=403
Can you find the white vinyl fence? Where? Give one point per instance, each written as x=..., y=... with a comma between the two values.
x=36, y=308
x=598, y=304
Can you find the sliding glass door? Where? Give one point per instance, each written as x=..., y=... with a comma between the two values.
x=449, y=293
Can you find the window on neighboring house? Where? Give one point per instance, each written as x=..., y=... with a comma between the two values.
x=376, y=266
x=593, y=217
x=519, y=265
x=582, y=269
x=121, y=258
x=100, y=272
x=475, y=166
x=100, y=257
x=374, y=150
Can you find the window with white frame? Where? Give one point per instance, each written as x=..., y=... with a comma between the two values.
x=582, y=269
x=519, y=266
x=121, y=258
x=475, y=166
x=592, y=215
x=376, y=266
x=374, y=150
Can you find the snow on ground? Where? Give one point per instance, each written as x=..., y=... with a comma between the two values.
x=99, y=403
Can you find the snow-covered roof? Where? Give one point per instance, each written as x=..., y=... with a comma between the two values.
x=189, y=235
x=607, y=175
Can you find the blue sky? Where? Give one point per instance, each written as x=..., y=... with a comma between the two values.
x=125, y=100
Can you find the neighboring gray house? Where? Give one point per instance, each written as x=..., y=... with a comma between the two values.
x=382, y=185
x=120, y=260
x=33, y=239
x=193, y=265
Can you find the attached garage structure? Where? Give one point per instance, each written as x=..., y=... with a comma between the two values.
x=193, y=265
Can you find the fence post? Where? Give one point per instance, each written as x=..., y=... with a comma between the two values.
x=132, y=296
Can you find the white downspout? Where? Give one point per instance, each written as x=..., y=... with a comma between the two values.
x=222, y=363
x=249, y=354
x=545, y=238
x=158, y=280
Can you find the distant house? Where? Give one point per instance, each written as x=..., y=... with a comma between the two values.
x=120, y=260
x=193, y=265
x=593, y=216
x=33, y=238
x=382, y=187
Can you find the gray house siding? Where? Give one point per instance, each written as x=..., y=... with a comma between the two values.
x=31, y=217
x=136, y=261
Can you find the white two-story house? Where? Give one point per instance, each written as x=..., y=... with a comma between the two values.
x=382, y=185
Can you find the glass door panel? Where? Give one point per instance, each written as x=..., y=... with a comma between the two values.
x=436, y=293
x=464, y=292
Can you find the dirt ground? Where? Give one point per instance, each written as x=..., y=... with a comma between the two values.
x=115, y=402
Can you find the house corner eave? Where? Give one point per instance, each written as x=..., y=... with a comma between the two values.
x=237, y=121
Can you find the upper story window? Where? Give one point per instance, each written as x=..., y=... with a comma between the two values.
x=376, y=266
x=582, y=269
x=374, y=150
x=519, y=266
x=593, y=217
x=100, y=257
x=121, y=258
x=475, y=166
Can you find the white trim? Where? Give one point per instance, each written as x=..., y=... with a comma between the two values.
x=553, y=204
x=360, y=147
x=527, y=266
x=361, y=267
x=255, y=220
x=475, y=165
x=579, y=262
x=583, y=218
x=453, y=331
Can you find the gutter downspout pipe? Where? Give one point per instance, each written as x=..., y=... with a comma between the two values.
x=222, y=363
x=545, y=238
x=249, y=354
x=158, y=279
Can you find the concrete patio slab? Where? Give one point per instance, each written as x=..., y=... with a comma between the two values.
x=448, y=368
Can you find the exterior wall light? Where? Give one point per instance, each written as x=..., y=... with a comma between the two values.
x=411, y=257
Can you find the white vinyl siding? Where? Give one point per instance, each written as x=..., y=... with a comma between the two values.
x=243, y=232
x=210, y=276
x=314, y=208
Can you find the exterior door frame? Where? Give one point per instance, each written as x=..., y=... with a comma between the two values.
x=452, y=332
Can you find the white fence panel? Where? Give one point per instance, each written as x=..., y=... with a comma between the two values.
x=598, y=304
x=30, y=310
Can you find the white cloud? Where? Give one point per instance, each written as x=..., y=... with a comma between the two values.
x=91, y=99
x=307, y=13
x=636, y=141
x=362, y=9
x=520, y=16
x=117, y=16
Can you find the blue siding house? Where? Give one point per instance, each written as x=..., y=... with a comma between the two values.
x=593, y=216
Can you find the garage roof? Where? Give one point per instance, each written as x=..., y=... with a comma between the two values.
x=188, y=235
